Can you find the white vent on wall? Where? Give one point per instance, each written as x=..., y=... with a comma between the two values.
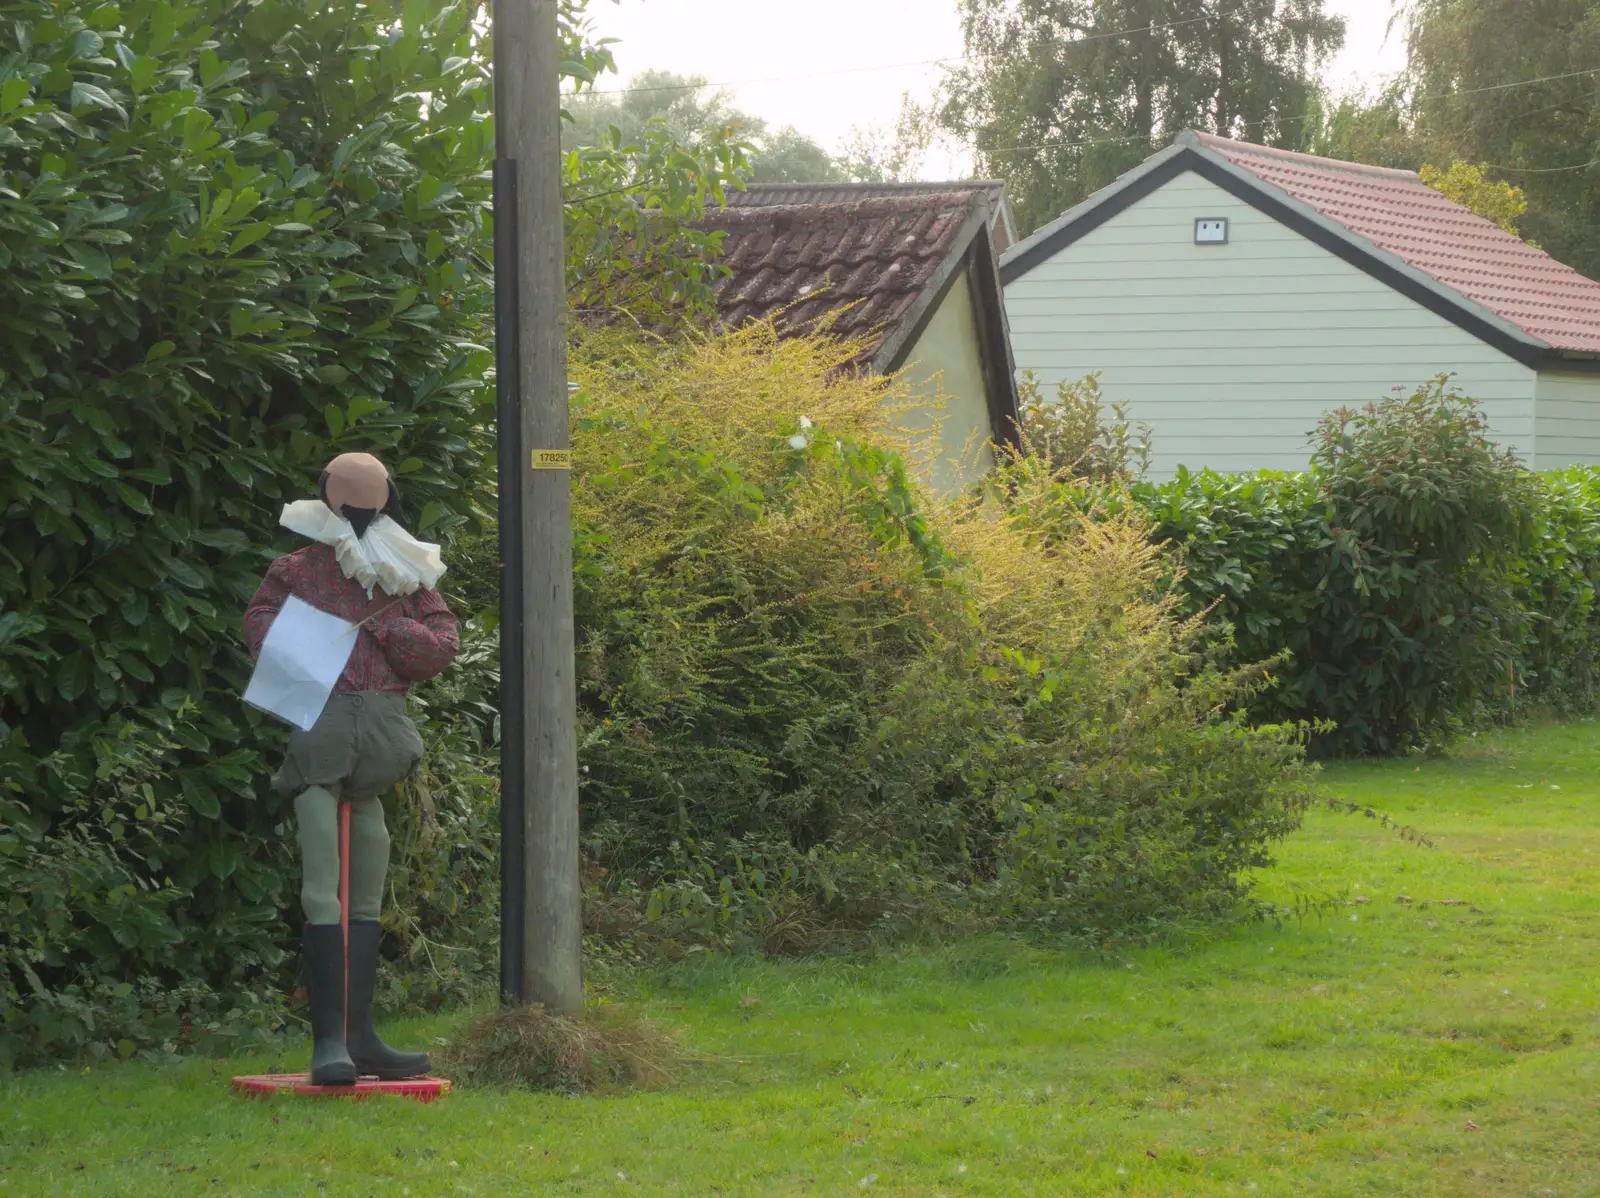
x=1211, y=230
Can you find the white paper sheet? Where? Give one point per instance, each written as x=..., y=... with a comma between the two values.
x=301, y=658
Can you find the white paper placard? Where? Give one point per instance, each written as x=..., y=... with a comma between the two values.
x=301, y=658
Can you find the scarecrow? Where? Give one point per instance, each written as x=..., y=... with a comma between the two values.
x=363, y=567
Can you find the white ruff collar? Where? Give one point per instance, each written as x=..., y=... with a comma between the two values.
x=386, y=555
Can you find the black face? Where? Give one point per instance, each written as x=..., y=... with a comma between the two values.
x=361, y=518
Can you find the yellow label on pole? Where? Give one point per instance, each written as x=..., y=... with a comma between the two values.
x=552, y=459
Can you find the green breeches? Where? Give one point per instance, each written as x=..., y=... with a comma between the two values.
x=317, y=816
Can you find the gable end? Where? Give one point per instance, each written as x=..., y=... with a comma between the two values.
x=973, y=259
x=1187, y=159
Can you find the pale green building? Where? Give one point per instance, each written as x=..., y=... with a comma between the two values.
x=1232, y=294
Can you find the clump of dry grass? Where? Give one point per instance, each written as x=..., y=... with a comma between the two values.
x=527, y=1047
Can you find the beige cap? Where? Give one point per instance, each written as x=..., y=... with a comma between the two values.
x=357, y=480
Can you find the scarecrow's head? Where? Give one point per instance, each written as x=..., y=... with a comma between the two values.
x=357, y=486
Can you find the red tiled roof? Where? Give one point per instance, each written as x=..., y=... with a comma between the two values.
x=800, y=263
x=1397, y=212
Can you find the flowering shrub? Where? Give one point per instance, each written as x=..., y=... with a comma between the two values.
x=812, y=703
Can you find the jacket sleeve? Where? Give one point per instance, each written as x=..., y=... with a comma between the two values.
x=264, y=607
x=421, y=645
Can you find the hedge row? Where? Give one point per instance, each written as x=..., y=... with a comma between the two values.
x=810, y=710
x=234, y=240
x=1415, y=580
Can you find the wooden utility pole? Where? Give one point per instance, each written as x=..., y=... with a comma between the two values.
x=541, y=940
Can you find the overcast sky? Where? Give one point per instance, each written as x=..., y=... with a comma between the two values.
x=824, y=66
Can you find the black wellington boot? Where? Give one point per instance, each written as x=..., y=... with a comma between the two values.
x=324, y=964
x=372, y=1055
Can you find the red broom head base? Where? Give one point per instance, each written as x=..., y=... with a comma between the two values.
x=263, y=1085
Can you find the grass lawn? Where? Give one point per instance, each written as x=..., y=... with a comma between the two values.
x=1394, y=1047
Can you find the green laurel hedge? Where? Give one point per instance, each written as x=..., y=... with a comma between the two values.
x=236, y=239
x=1418, y=577
x=233, y=241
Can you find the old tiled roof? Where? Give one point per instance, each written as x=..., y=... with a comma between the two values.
x=761, y=195
x=799, y=263
x=1397, y=212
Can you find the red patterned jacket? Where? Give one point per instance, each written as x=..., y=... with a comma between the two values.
x=408, y=642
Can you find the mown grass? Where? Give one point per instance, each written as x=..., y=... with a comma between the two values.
x=1388, y=1047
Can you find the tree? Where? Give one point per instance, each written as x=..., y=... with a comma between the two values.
x=631, y=202
x=1382, y=132
x=1472, y=188
x=1377, y=132
x=1061, y=96
x=694, y=115
x=881, y=154
x=1515, y=85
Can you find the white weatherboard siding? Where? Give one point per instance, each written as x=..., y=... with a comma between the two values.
x=1568, y=427
x=945, y=371
x=1232, y=353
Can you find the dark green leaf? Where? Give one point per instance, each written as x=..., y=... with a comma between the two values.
x=134, y=499
x=200, y=795
x=185, y=575
x=86, y=95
